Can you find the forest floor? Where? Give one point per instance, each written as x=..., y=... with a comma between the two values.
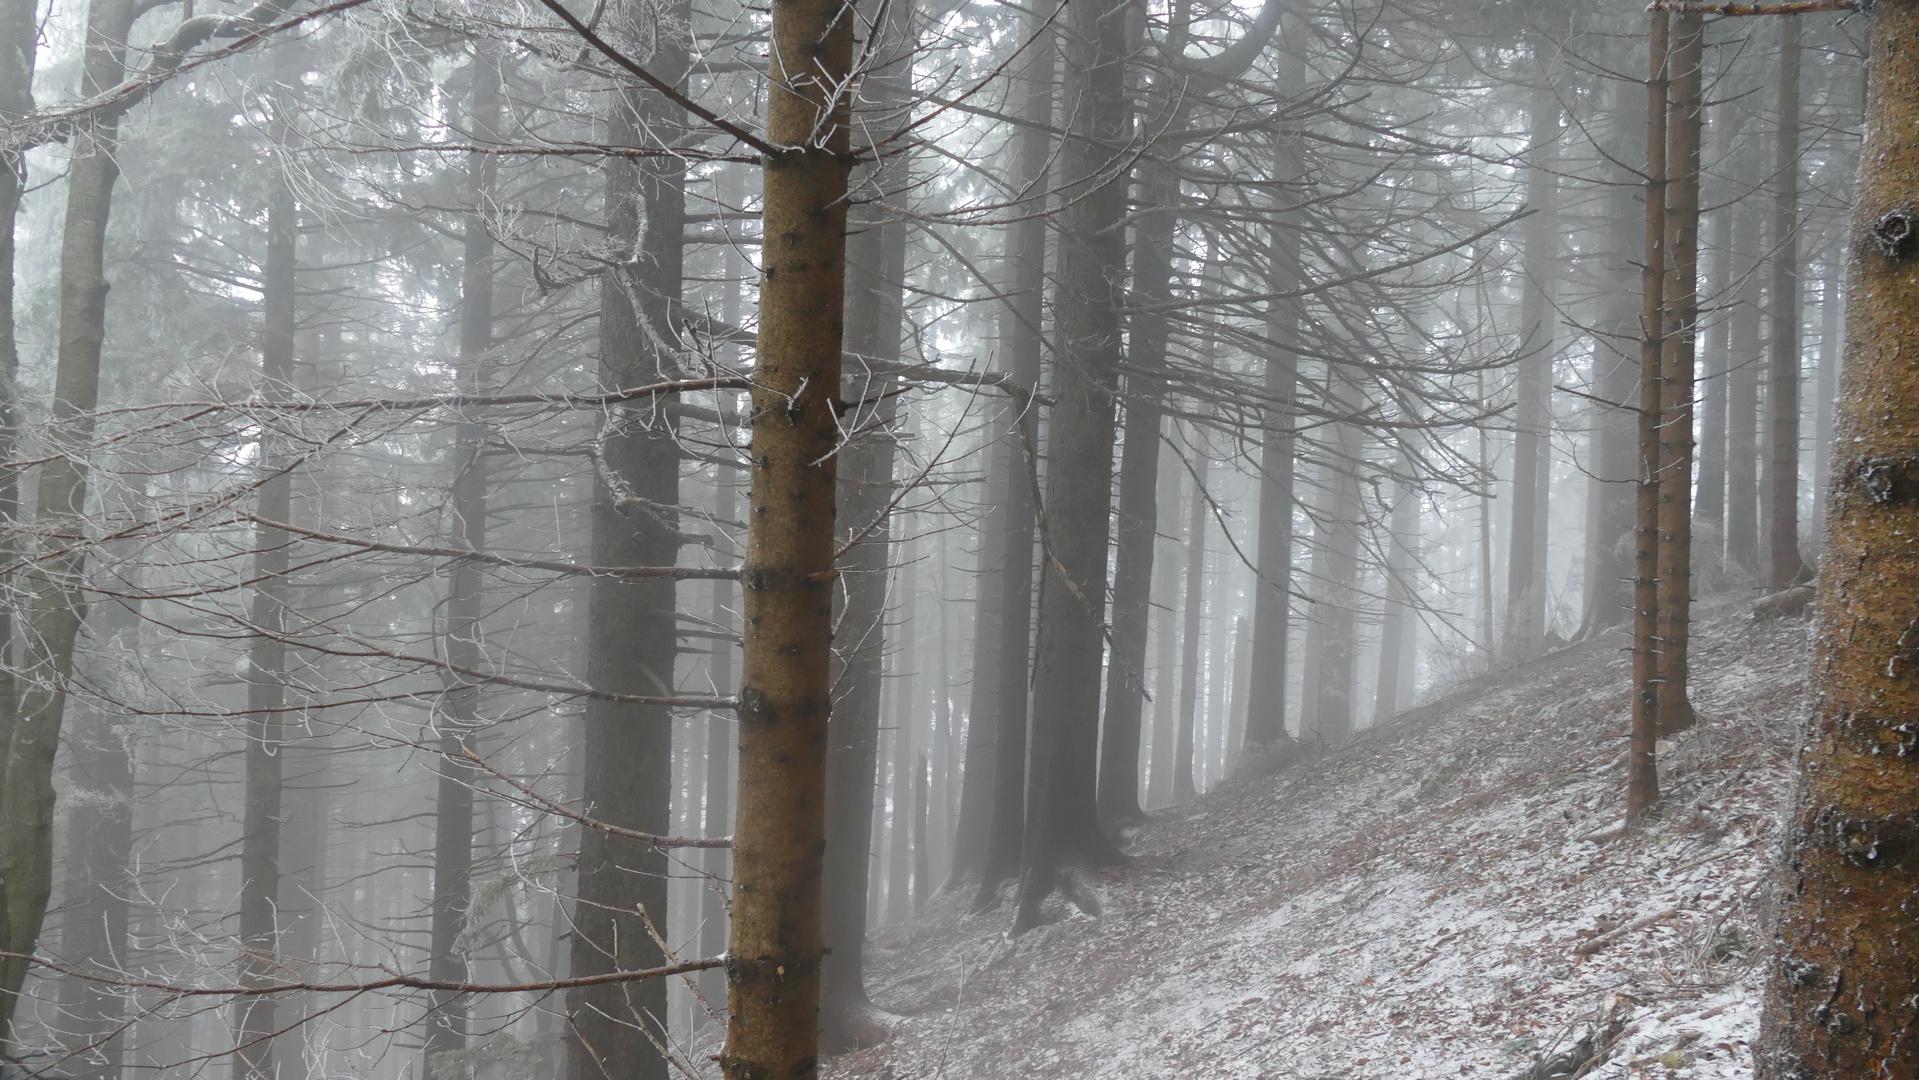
x=1446, y=895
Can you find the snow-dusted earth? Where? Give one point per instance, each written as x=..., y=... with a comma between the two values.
x=1445, y=896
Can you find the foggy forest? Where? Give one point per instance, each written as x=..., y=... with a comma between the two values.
x=898, y=539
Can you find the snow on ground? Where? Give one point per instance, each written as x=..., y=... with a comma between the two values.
x=1428, y=901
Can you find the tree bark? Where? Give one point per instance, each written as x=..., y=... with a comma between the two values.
x=1642, y=773
x=1842, y=993
x=56, y=605
x=1782, y=462
x=1063, y=817
x=1021, y=341
x=1189, y=664
x=1532, y=414
x=1683, y=127
x=632, y=639
x=773, y=958
x=254, y=1022
x=1742, y=400
x=459, y=713
x=18, y=50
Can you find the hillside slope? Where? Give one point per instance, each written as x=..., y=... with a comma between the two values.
x=1428, y=901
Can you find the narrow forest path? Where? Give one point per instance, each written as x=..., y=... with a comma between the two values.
x=1425, y=902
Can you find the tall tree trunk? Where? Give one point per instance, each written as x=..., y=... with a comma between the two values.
x=1336, y=595
x=720, y=739
x=459, y=714
x=1842, y=992
x=1394, y=632
x=56, y=605
x=1683, y=129
x=19, y=45
x=1272, y=598
x=1642, y=774
x=1166, y=584
x=1189, y=661
x=1742, y=399
x=874, y=299
x=906, y=714
x=773, y=959
x=632, y=641
x=1782, y=462
x=1021, y=342
x=1609, y=565
x=1532, y=415
x=1062, y=828
x=255, y=1020
x=922, y=855
x=1709, y=506
x=96, y=892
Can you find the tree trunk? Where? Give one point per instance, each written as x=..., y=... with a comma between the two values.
x=906, y=715
x=874, y=298
x=255, y=1021
x=56, y=605
x=1183, y=785
x=459, y=710
x=922, y=856
x=1642, y=774
x=1063, y=816
x=1021, y=340
x=1166, y=583
x=1782, y=463
x=773, y=959
x=1709, y=506
x=632, y=640
x=1832, y=307
x=1742, y=400
x=720, y=740
x=1272, y=599
x=19, y=39
x=1842, y=992
x=1532, y=414
x=1336, y=595
x=1684, y=104
x=1394, y=631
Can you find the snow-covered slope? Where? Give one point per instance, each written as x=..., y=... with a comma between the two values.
x=1445, y=896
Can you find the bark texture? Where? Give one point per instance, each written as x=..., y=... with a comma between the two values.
x=1842, y=994
x=773, y=963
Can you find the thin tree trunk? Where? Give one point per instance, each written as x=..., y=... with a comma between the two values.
x=720, y=739
x=459, y=712
x=1532, y=414
x=1642, y=781
x=1166, y=585
x=1685, y=106
x=1842, y=992
x=1393, y=640
x=1183, y=786
x=255, y=1021
x=632, y=640
x=873, y=307
x=1782, y=462
x=905, y=715
x=1338, y=555
x=1831, y=310
x=774, y=956
x=922, y=856
x=1020, y=337
x=1742, y=400
x=56, y=605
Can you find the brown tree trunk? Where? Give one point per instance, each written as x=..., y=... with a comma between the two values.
x=1642, y=772
x=773, y=958
x=632, y=639
x=459, y=715
x=1062, y=828
x=1842, y=991
x=1683, y=127
x=1782, y=462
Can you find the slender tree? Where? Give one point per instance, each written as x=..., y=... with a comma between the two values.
x=1782, y=379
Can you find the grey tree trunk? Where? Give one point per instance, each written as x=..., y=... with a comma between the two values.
x=1394, y=641
x=459, y=713
x=56, y=606
x=632, y=641
x=1189, y=663
x=1742, y=401
x=1782, y=383
x=1526, y=584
